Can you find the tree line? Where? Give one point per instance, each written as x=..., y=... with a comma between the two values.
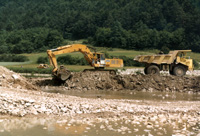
x=37, y=25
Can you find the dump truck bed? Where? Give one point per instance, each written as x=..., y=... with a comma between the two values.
x=157, y=59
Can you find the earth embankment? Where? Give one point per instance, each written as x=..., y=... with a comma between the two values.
x=136, y=82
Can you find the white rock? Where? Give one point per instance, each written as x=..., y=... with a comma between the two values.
x=31, y=101
x=15, y=76
x=3, y=75
x=64, y=109
x=28, y=104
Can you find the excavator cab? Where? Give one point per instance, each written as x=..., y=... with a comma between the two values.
x=100, y=59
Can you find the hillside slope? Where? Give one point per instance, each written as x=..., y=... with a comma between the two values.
x=36, y=25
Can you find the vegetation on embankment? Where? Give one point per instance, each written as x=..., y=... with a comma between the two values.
x=13, y=58
x=38, y=25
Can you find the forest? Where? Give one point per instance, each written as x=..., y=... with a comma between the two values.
x=28, y=26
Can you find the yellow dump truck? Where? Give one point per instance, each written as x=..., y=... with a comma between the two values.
x=176, y=62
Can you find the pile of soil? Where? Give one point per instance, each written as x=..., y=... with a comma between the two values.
x=91, y=80
x=105, y=81
x=159, y=83
x=10, y=79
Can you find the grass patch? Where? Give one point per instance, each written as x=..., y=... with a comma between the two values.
x=34, y=56
x=14, y=63
x=195, y=56
x=32, y=68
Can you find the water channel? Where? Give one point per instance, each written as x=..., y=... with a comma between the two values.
x=40, y=126
x=132, y=95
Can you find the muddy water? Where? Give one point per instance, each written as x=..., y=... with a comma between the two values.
x=137, y=95
x=53, y=127
x=136, y=126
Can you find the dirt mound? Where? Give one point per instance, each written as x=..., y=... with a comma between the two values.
x=11, y=79
x=92, y=80
x=105, y=81
x=159, y=83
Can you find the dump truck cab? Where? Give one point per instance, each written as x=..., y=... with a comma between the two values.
x=185, y=60
x=176, y=62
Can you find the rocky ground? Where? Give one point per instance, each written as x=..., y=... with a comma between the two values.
x=22, y=97
x=10, y=79
x=84, y=81
x=177, y=114
x=141, y=70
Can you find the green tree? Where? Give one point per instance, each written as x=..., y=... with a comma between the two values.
x=137, y=24
x=54, y=39
x=117, y=35
x=42, y=60
x=102, y=37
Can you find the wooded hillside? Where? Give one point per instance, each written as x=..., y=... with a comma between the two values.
x=36, y=25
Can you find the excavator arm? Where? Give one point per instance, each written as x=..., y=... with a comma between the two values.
x=88, y=55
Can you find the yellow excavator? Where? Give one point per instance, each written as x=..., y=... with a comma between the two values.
x=95, y=59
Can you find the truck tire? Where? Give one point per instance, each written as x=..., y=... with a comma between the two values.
x=153, y=69
x=179, y=70
x=171, y=72
x=145, y=70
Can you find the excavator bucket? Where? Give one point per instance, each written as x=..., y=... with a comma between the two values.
x=63, y=73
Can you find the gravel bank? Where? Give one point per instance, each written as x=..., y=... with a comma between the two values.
x=179, y=115
x=24, y=102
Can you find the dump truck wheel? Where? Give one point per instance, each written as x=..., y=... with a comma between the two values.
x=145, y=70
x=179, y=70
x=112, y=72
x=171, y=72
x=153, y=69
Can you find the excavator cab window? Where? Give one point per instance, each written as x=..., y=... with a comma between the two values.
x=98, y=58
x=102, y=57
